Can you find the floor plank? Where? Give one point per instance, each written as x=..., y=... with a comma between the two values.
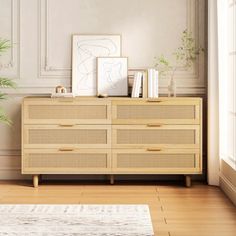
x=175, y=210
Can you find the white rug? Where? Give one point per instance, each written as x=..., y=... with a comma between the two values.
x=75, y=220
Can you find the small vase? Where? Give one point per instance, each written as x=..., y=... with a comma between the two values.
x=172, y=88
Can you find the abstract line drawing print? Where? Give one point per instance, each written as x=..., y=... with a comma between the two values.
x=113, y=76
x=112, y=73
x=86, y=49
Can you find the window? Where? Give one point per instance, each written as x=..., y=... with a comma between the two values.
x=227, y=80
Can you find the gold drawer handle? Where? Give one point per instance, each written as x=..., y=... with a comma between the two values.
x=153, y=149
x=154, y=125
x=66, y=125
x=66, y=149
x=154, y=100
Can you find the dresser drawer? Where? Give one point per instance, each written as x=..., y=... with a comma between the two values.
x=66, y=161
x=154, y=135
x=166, y=161
x=62, y=136
x=164, y=111
x=57, y=111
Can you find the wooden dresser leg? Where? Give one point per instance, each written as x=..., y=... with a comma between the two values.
x=188, y=181
x=112, y=179
x=36, y=180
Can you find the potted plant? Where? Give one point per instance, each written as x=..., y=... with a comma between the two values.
x=5, y=83
x=184, y=56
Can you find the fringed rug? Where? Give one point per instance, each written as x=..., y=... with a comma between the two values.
x=75, y=220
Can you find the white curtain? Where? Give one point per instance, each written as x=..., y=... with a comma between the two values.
x=213, y=95
x=221, y=87
x=227, y=86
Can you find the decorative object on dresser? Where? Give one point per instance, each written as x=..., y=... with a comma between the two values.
x=86, y=48
x=112, y=76
x=184, y=57
x=61, y=91
x=93, y=220
x=89, y=135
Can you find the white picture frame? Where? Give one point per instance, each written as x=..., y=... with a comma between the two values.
x=86, y=48
x=112, y=76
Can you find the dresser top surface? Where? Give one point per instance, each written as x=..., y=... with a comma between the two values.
x=86, y=98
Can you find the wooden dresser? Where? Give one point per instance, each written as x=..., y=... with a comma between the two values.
x=111, y=136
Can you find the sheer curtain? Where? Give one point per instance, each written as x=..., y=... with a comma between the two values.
x=221, y=86
x=227, y=81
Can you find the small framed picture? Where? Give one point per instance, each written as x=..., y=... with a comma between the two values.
x=112, y=76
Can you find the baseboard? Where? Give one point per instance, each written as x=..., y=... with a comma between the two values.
x=12, y=174
x=228, y=188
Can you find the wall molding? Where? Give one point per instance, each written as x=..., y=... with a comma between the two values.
x=45, y=68
x=190, y=78
x=11, y=68
x=12, y=175
x=228, y=188
x=10, y=152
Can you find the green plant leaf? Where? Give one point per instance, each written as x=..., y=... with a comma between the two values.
x=4, y=45
x=184, y=55
x=4, y=119
x=2, y=96
x=7, y=83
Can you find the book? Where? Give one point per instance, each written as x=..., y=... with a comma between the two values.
x=150, y=83
x=145, y=85
x=136, y=84
x=156, y=84
x=153, y=83
x=139, y=84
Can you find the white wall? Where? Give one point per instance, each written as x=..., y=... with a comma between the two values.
x=40, y=57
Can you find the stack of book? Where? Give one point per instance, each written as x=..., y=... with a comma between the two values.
x=145, y=83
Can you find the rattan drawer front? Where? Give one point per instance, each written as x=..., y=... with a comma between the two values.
x=73, y=112
x=162, y=111
x=171, y=136
x=159, y=161
x=81, y=136
x=73, y=161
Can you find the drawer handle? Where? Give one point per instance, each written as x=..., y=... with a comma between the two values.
x=153, y=149
x=66, y=125
x=154, y=100
x=66, y=149
x=154, y=125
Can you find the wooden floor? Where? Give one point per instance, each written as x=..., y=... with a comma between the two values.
x=175, y=210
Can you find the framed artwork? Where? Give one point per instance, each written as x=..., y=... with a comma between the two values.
x=86, y=48
x=112, y=76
